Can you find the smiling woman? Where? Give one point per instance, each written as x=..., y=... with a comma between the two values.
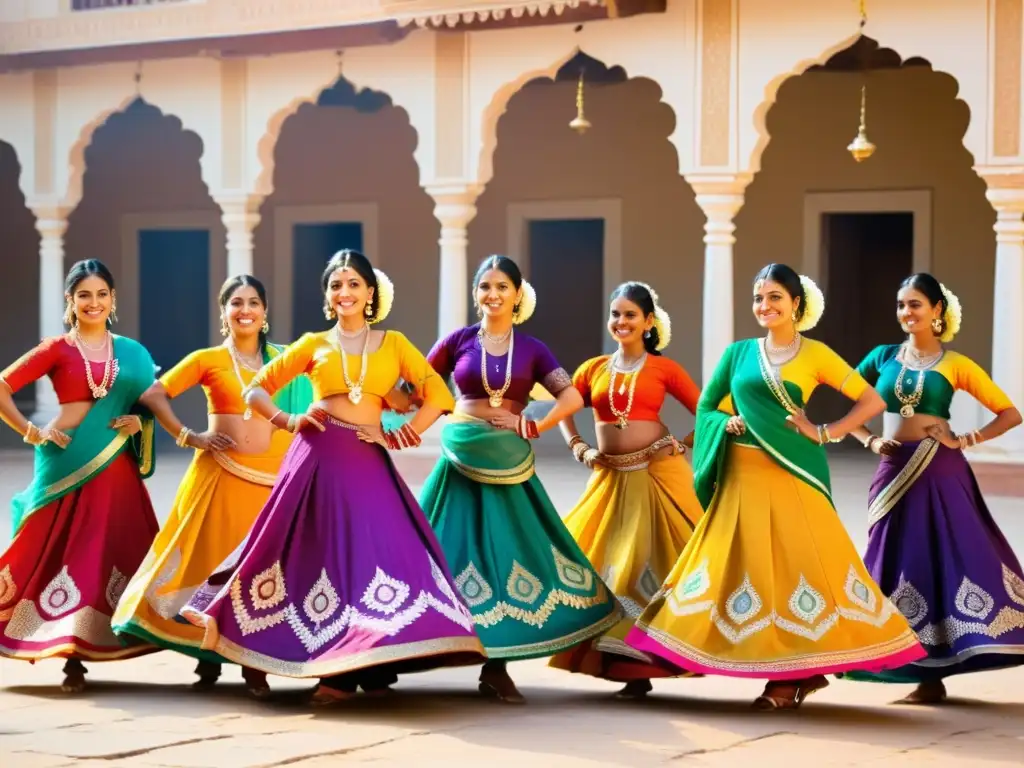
x=84, y=524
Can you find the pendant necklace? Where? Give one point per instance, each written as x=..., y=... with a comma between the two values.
x=355, y=389
x=99, y=391
x=495, y=397
x=238, y=362
x=615, y=366
x=909, y=403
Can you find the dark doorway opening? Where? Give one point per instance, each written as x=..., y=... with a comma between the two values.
x=567, y=271
x=866, y=256
x=313, y=245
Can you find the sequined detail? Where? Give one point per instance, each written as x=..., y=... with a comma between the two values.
x=1012, y=583
x=556, y=381
x=973, y=601
x=385, y=594
x=473, y=586
x=806, y=602
x=648, y=584
x=572, y=574
x=744, y=603
x=115, y=588
x=859, y=593
x=267, y=589
x=522, y=585
x=322, y=600
x=909, y=602
x=8, y=589
x=61, y=595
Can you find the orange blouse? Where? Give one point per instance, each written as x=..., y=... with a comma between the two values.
x=658, y=377
x=215, y=370
x=315, y=354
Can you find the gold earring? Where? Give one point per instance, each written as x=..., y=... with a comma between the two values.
x=937, y=326
x=329, y=312
x=224, y=330
x=69, y=314
x=368, y=311
x=266, y=327
x=479, y=310
x=113, y=312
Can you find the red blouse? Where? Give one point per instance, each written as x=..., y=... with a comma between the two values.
x=62, y=362
x=659, y=376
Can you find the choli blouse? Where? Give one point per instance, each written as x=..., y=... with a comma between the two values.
x=953, y=371
x=62, y=362
x=658, y=377
x=317, y=355
x=457, y=355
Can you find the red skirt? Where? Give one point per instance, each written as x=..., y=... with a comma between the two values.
x=63, y=574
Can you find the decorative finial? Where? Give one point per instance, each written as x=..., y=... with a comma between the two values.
x=580, y=124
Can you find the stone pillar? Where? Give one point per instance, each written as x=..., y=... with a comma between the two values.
x=51, y=223
x=240, y=214
x=720, y=196
x=455, y=207
x=1006, y=194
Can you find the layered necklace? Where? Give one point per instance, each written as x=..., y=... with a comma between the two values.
x=495, y=396
x=921, y=364
x=617, y=365
x=239, y=361
x=779, y=356
x=355, y=388
x=99, y=391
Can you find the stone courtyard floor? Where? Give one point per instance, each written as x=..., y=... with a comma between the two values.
x=143, y=713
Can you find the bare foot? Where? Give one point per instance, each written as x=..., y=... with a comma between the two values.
x=789, y=695
x=931, y=692
x=496, y=683
x=325, y=696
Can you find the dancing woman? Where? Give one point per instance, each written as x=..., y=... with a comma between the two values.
x=770, y=586
x=639, y=508
x=341, y=577
x=531, y=590
x=933, y=546
x=222, y=491
x=84, y=524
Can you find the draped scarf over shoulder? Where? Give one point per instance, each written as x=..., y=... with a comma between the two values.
x=764, y=401
x=94, y=444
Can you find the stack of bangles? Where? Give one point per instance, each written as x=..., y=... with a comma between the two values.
x=824, y=436
x=527, y=428
x=289, y=425
x=403, y=437
x=33, y=435
x=182, y=440
x=579, y=447
x=969, y=441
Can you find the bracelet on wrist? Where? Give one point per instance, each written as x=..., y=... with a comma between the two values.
x=527, y=428
x=183, y=436
x=33, y=435
x=403, y=437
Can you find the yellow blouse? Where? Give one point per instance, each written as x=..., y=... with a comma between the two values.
x=215, y=370
x=315, y=354
x=814, y=364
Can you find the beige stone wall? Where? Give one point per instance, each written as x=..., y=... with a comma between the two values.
x=917, y=123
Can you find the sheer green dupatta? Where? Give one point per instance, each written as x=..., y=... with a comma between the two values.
x=58, y=472
x=764, y=402
x=484, y=453
x=297, y=395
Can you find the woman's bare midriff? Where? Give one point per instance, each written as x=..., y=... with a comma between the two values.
x=70, y=415
x=366, y=413
x=251, y=437
x=482, y=409
x=613, y=441
x=908, y=430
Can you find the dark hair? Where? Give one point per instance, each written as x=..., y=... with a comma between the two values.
x=350, y=259
x=231, y=285
x=932, y=290
x=87, y=268
x=503, y=264
x=787, y=277
x=639, y=295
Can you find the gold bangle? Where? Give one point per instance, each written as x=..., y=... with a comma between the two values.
x=183, y=436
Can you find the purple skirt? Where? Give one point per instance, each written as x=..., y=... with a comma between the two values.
x=341, y=572
x=935, y=550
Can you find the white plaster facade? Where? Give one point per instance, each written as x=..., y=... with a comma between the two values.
x=719, y=65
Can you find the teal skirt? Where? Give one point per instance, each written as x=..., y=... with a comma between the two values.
x=530, y=588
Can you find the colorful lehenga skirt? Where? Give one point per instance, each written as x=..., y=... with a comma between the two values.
x=64, y=572
x=340, y=573
x=934, y=548
x=217, y=502
x=531, y=590
x=770, y=586
x=632, y=522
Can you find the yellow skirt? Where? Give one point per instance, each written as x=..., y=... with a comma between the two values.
x=217, y=502
x=770, y=586
x=631, y=525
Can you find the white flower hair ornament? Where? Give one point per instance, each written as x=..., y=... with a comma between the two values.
x=814, y=304
x=527, y=303
x=662, y=322
x=385, y=296
x=954, y=314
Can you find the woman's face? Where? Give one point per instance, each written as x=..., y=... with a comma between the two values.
x=92, y=301
x=348, y=293
x=914, y=312
x=244, y=312
x=626, y=321
x=496, y=294
x=773, y=306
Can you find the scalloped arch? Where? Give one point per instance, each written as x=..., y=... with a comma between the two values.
x=772, y=92
x=76, y=154
x=501, y=98
x=266, y=148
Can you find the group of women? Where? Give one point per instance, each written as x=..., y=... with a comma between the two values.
x=295, y=548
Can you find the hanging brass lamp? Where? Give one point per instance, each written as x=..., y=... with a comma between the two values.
x=580, y=124
x=861, y=147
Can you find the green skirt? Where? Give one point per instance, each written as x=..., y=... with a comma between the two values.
x=530, y=588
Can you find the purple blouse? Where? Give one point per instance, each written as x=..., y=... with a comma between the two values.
x=458, y=355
